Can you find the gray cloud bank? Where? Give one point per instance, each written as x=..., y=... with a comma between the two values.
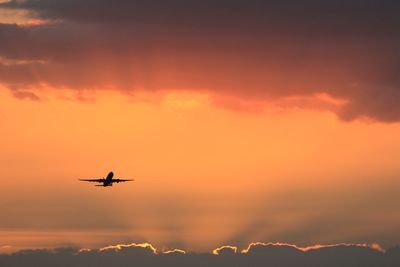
x=257, y=255
x=250, y=49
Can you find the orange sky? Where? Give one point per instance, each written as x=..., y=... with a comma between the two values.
x=205, y=176
x=232, y=134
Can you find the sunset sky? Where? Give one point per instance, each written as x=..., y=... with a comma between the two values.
x=240, y=121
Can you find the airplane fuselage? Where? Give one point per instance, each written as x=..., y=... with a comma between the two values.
x=108, y=180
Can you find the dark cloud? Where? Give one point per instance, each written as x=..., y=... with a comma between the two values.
x=313, y=14
x=258, y=255
x=252, y=50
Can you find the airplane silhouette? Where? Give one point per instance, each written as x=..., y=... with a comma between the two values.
x=108, y=181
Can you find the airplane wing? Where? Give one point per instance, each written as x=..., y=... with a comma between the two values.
x=93, y=180
x=120, y=180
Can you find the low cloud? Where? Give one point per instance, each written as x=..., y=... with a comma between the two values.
x=175, y=251
x=137, y=249
x=260, y=247
x=225, y=250
x=257, y=254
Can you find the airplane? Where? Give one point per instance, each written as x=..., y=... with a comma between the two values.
x=107, y=181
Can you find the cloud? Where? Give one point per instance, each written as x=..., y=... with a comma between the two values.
x=209, y=12
x=175, y=251
x=260, y=247
x=257, y=254
x=137, y=249
x=133, y=249
x=250, y=52
x=21, y=94
x=225, y=250
x=276, y=249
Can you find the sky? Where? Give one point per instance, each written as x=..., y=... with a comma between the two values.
x=240, y=121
